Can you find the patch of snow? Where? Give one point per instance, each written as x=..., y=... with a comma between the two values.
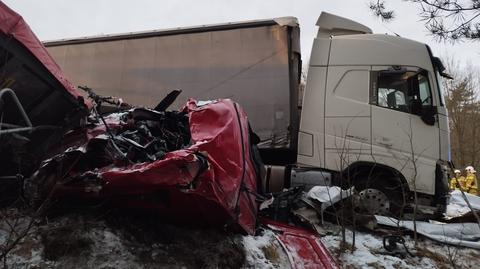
x=27, y=254
x=369, y=253
x=264, y=251
x=109, y=250
x=3, y=235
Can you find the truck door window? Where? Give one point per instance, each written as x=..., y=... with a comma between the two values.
x=402, y=89
x=424, y=88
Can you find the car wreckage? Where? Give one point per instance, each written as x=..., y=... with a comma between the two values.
x=195, y=162
x=199, y=164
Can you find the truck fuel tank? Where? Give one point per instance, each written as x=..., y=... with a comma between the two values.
x=279, y=177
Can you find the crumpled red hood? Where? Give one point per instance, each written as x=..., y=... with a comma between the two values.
x=222, y=193
x=212, y=181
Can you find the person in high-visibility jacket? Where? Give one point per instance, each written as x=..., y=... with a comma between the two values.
x=471, y=180
x=458, y=181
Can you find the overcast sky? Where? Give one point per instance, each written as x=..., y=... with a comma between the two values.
x=58, y=19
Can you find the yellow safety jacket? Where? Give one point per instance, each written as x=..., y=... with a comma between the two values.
x=457, y=183
x=471, y=184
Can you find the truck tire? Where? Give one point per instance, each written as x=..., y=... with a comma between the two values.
x=381, y=188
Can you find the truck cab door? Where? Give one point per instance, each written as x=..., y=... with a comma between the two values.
x=347, y=116
x=405, y=131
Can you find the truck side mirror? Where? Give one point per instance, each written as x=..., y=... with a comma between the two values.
x=428, y=114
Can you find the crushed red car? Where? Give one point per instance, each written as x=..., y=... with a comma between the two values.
x=192, y=165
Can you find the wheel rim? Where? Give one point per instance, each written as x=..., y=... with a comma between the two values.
x=374, y=201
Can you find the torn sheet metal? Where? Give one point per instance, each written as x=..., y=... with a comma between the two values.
x=458, y=207
x=460, y=234
x=208, y=179
x=456, y=197
x=310, y=218
x=304, y=249
x=327, y=195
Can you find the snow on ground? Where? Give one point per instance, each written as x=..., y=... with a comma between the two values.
x=79, y=241
x=369, y=253
x=60, y=246
x=264, y=251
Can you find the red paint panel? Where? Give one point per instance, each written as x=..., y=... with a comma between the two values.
x=304, y=248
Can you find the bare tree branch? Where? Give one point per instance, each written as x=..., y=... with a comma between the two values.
x=447, y=20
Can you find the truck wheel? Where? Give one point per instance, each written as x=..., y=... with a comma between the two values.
x=374, y=201
x=381, y=195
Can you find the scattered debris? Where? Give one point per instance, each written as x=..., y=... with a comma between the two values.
x=460, y=234
x=326, y=196
x=369, y=253
x=303, y=248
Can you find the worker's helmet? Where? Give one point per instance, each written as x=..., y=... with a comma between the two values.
x=470, y=169
x=457, y=171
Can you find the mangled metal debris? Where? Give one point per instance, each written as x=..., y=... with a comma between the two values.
x=345, y=207
x=190, y=165
x=303, y=248
x=319, y=205
x=460, y=234
x=458, y=205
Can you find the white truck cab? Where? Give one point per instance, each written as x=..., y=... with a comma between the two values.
x=373, y=112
